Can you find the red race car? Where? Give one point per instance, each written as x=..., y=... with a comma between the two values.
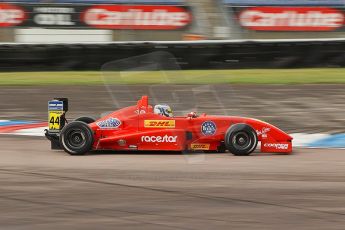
x=143, y=127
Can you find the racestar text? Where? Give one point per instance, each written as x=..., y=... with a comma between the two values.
x=166, y=138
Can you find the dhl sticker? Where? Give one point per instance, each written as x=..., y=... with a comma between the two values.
x=159, y=124
x=200, y=146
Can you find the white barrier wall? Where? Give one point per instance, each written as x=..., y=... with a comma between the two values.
x=38, y=35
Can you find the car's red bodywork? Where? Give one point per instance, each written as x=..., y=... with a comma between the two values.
x=138, y=128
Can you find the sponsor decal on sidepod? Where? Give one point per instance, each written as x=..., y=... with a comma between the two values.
x=276, y=146
x=110, y=123
x=159, y=123
x=197, y=146
x=208, y=128
x=159, y=139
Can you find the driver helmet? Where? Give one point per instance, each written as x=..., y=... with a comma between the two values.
x=163, y=110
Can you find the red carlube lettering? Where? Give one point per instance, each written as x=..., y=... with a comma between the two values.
x=11, y=15
x=140, y=17
x=291, y=18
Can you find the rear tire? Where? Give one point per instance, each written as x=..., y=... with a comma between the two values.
x=241, y=139
x=76, y=138
x=86, y=120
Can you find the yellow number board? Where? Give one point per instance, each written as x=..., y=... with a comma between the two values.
x=54, y=120
x=55, y=112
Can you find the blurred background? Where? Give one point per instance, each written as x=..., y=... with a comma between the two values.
x=57, y=34
x=271, y=59
x=168, y=20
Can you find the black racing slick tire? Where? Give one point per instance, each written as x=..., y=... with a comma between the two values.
x=76, y=138
x=241, y=139
x=86, y=120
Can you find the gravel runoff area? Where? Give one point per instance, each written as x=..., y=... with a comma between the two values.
x=45, y=189
x=294, y=108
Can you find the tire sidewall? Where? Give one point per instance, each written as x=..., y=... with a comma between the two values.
x=85, y=129
x=232, y=131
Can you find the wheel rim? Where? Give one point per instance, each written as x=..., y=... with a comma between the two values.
x=75, y=138
x=241, y=140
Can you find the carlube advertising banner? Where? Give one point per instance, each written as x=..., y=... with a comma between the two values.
x=304, y=16
x=96, y=16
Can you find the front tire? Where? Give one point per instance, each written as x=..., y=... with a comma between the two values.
x=241, y=139
x=76, y=138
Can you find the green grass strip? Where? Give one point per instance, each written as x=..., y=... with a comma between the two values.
x=252, y=76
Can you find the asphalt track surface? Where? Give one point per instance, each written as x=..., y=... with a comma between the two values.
x=46, y=189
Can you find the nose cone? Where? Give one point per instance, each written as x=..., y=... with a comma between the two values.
x=263, y=129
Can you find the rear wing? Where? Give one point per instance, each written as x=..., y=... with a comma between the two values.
x=57, y=109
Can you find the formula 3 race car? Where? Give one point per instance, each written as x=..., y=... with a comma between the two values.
x=139, y=127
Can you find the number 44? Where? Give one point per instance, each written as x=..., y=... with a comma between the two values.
x=54, y=121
